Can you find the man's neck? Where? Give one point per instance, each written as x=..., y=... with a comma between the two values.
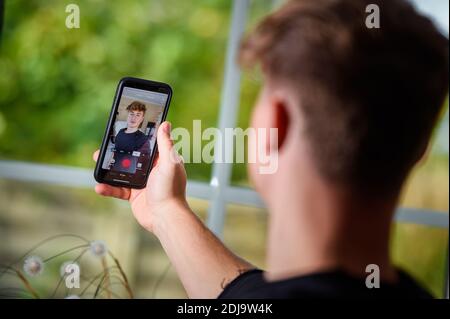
x=324, y=231
x=131, y=129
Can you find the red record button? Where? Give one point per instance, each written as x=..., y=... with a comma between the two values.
x=126, y=163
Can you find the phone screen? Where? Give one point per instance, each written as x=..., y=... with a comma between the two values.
x=130, y=142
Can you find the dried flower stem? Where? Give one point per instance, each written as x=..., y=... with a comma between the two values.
x=107, y=283
x=125, y=279
x=27, y=284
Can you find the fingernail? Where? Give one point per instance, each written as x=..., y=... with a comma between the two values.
x=167, y=127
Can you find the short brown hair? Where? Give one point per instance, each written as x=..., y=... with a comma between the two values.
x=136, y=106
x=370, y=97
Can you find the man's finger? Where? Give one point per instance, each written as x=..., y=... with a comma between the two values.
x=156, y=160
x=95, y=155
x=111, y=191
x=165, y=144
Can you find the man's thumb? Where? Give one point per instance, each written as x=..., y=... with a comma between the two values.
x=165, y=144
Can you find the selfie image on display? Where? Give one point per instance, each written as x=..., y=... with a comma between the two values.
x=133, y=134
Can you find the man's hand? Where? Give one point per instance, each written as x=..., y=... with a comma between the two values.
x=201, y=260
x=166, y=184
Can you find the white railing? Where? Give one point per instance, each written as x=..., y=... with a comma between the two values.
x=83, y=178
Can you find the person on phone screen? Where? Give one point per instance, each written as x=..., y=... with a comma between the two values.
x=130, y=139
x=355, y=108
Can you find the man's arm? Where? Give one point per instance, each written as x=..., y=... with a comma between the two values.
x=201, y=260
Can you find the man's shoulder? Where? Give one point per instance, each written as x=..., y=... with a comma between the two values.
x=333, y=284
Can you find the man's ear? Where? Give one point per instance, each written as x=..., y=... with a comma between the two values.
x=281, y=120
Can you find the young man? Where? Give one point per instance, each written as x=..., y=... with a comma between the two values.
x=355, y=108
x=130, y=139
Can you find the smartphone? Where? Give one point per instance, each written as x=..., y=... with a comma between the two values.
x=129, y=144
